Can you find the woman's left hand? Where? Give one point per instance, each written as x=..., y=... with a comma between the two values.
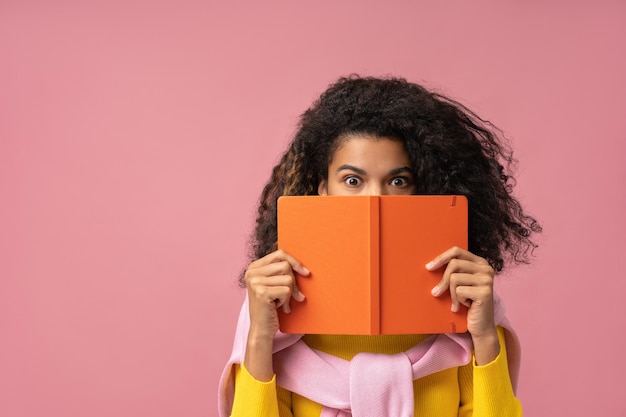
x=470, y=280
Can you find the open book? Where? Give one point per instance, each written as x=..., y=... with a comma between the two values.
x=367, y=257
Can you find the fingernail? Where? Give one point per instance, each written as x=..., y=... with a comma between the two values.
x=435, y=291
x=430, y=265
x=299, y=296
x=454, y=308
x=305, y=270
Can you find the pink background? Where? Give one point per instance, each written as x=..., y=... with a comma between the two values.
x=135, y=138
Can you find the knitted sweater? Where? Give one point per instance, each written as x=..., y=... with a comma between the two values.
x=465, y=390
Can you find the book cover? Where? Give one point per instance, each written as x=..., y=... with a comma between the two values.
x=366, y=255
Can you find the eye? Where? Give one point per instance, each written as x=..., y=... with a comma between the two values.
x=400, y=182
x=352, y=181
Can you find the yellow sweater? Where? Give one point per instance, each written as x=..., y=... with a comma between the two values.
x=470, y=390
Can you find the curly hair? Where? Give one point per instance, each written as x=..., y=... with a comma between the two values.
x=451, y=149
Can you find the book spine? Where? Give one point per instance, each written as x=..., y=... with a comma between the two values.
x=374, y=265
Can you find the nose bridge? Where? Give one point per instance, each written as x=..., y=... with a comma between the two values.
x=375, y=188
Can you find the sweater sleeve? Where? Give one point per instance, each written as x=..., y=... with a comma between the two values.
x=254, y=398
x=486, y=390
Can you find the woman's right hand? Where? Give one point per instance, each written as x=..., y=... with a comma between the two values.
x=271, y=284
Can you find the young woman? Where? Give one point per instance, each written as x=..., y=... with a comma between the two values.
x=370, y=136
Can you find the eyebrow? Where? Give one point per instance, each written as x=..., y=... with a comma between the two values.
x=351, y=168
x=400, y=170
x=360, y=171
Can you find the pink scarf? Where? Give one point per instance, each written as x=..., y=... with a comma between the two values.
x=343, y=387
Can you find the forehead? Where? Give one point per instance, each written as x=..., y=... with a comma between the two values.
x=371, y=150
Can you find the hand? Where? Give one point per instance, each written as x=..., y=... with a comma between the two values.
x=470, y=280
x=271, y=284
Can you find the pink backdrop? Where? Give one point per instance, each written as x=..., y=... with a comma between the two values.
x=135, y=139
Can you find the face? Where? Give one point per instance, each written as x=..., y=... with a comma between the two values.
x=364, y=165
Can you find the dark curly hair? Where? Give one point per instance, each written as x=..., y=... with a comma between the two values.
x=451, y=149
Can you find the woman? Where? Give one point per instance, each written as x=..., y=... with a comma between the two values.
x=369, y=136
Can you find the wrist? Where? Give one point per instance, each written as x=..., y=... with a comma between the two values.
x=258, y=357
x=259, y=343
x=260, y=337
x=486, y=347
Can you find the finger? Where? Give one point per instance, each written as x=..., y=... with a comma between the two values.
x=452, y=267
x=468, y=267
x=483, y=271
x=278, y=297
x=297, y=294
x=471, y=294
x=463, y=295
x=294, y=293
x=281, y=255
x=477, y=285
x=453, y=253
x=453, y=295
x=295, y=266
x=470, y=279
x=452, y=280
x=273, y=270
x=261, y=288
x=277, y=268
x=283, y=268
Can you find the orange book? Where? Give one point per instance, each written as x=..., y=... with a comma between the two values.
x=367, y=257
